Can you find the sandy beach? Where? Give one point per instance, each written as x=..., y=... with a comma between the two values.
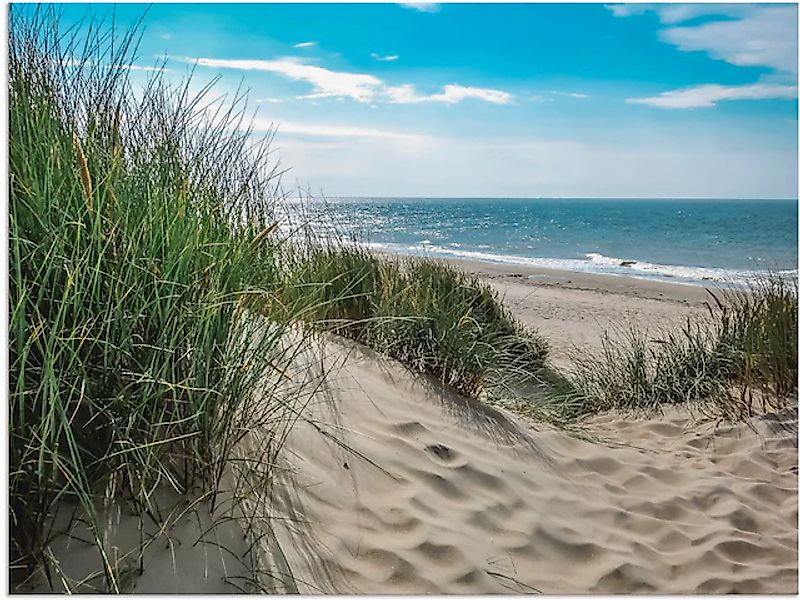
x=425, y=492
x=438, y=494
x=573, y=310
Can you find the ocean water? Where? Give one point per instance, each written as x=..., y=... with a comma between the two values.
x=692, y=241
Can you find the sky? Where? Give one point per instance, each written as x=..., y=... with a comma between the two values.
x=501, y=100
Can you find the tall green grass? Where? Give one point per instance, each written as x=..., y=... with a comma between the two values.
x=141, y=239
x=430, y=316
x=741, y=359
x=757, y=330
x=138, y=236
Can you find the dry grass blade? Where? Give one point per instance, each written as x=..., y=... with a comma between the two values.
x=264, y=233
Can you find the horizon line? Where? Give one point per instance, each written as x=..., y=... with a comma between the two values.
x=708, y=198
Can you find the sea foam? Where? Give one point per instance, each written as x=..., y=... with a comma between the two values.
x=592, y=263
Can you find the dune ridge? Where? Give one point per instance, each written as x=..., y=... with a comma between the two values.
x=399, y=486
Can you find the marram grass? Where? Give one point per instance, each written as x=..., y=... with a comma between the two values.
x=143, y=234
x=431, y=317
x=138, y=234
x=741, y=359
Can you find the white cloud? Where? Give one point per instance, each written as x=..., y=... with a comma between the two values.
x=705, y=96
x=305, y=44
x=766, y=36
x=570, y=94
x=335, y=131
x=406, y=94
x=677, y=13
x=428, y=7
x=747, y=35
x=358, y=86
x=628, y=10
x=389, y=57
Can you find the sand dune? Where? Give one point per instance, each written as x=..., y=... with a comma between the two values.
x=436, y=494
x=393, y=484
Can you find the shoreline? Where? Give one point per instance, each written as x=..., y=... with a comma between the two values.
x=599, y=265
x=575, y=311
x=607, y=283
x=597, y=282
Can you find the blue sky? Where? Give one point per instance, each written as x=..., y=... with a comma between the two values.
x=580, y=100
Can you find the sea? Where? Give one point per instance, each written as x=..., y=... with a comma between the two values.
x=689, y=241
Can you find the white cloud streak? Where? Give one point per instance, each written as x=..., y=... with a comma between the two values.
x=426, y=7
x=360, y=87
x=570, y=94
x=388, y=57
x=305, y=44
x=764, y=37
x=335, y=131
x=406, y=94
x=706, y=96
x=748, y=35
x=669, y=14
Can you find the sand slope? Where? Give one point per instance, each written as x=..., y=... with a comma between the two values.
x=439, y=495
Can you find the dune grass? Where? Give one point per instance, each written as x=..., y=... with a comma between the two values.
x=431, y=317
x=440, y=321
x=757, y=330
x=743, y=358
x=138, y=236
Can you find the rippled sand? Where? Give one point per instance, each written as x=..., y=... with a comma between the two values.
x=437, y=494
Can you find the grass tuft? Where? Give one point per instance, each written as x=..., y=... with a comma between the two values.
x=742, y=358
x=430, y=316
